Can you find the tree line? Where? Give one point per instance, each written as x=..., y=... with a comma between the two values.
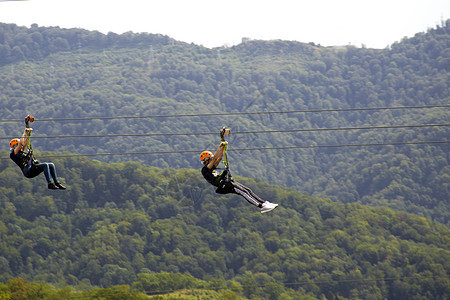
x=119, y=223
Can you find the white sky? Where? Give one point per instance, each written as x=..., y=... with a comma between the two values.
x=214, y=23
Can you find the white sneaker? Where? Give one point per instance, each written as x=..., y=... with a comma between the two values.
x=267, y=206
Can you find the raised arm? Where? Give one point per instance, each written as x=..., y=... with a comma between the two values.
x=23, y=141
x=218, y=155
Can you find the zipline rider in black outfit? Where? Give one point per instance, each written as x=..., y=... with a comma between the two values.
x=224, y=183
x=31, y=168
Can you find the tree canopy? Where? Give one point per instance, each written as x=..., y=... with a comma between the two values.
x=124, y=223
x=366, y=222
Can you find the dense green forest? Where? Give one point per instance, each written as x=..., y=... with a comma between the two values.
x=125, y=223
x=359, y=222
x=56, y=73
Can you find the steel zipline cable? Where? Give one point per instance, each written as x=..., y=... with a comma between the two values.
x=241, y=149
x=243, y=132
x=233, y=113
x=235, y=132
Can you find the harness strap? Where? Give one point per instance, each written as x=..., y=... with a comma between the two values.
x=30, y=159
x=226, y=173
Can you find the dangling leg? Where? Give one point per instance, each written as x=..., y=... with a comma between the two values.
x=248, y=191
x=49, y=170
x=248, y=194
x=251, y=197
x=52, y=170
x=235, y=187
x=38, y=169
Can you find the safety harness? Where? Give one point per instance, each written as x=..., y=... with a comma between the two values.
x=225, y=177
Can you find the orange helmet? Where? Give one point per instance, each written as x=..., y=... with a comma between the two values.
x=13, y=142
x=205, y=155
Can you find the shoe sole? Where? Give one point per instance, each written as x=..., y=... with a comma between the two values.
x=269, y=209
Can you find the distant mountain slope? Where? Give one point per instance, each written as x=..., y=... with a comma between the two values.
x=73, y=73
x=119, y=220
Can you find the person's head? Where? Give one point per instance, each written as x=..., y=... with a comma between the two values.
x=13, y=143
x=205, y=156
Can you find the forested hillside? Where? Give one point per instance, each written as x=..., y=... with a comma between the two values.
x=121, y=222
x=56, y=73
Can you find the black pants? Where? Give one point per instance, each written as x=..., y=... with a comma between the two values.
x=227, y=187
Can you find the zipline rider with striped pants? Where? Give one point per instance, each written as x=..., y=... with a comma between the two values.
x=224, y=183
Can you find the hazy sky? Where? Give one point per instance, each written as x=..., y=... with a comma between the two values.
x=214, y=23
